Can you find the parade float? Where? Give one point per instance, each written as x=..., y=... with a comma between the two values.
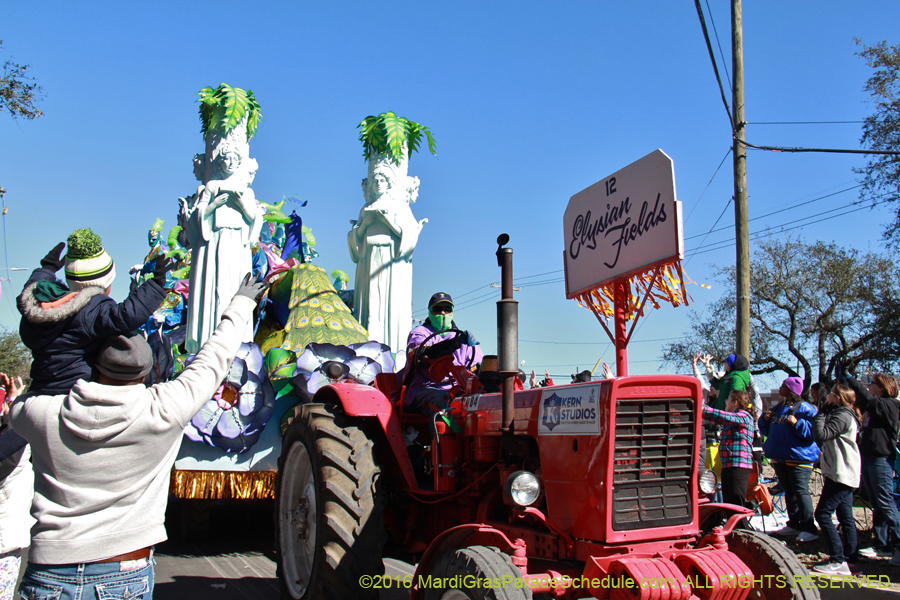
x=223, y=232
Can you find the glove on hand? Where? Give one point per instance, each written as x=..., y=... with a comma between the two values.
x=840, y=369
x=470, y=339
x=252, y=289
x=163, y=266
x=54, y=260
x=444, y=347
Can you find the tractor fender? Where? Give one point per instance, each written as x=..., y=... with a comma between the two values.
x=365, y=401
x=735, y=512
x=457, y=537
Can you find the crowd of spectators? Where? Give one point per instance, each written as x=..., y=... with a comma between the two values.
x=849, y=432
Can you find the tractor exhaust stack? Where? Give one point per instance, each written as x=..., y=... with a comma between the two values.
x=507, y=331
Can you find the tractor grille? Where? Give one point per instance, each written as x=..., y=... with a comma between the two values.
x=654, y=459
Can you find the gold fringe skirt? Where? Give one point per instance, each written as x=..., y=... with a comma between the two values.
x=223, y=485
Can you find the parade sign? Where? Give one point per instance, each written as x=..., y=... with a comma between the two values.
x=624, y=224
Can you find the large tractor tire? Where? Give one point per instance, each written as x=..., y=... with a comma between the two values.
x=476, y=565
x=766, y=556
x=329, y=528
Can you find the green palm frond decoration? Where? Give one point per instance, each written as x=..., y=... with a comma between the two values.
x=225, y=107
x=387, y=134
x=308, y=236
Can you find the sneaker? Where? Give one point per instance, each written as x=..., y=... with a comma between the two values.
x=855, y=569
x=895, y=560
x=833, y=568
x=786, y=530
x=876, y=552
x=806, y=536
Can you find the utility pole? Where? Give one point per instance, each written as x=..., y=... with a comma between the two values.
x=741, y=229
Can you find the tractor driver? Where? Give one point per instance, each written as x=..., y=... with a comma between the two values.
x=428, y=397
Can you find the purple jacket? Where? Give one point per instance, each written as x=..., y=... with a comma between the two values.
x=460, y=357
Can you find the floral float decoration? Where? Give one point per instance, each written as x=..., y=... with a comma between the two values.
x=236, y=414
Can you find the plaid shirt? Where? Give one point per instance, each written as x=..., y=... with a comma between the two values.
x=736, y=446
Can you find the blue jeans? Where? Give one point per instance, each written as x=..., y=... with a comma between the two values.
x=838, y=497
x=131, y=580
x=795, y=482
x=878, y=480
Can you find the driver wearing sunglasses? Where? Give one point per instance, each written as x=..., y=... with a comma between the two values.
x=428, y=397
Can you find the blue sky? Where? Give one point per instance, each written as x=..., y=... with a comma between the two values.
x=530, y=102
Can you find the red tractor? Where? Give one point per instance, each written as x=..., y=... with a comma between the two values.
x=583, y=490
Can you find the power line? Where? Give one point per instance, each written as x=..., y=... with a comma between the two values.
x=712, y=59
x=488, y=298
x=472, y=291
x=784, y=209
x=747, y=144
x=824, y=150
x=727, y=204
x=803, y=122
x=518, y=279
x=769, y=231
x=708, y=184
x=719, y=43
x=545, y=282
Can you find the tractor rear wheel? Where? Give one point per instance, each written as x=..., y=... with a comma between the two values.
x=328, y=507
x=771, y=560
x=476, y=564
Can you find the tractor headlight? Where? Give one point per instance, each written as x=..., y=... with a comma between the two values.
x=523, y=488
x=708, y=481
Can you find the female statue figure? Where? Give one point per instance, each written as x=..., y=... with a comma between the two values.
x=381, y=243
x=223, y=221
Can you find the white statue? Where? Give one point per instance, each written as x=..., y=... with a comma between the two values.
x=223, y=220
x=381, y=244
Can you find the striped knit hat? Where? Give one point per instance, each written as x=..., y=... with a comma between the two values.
x=87, y=263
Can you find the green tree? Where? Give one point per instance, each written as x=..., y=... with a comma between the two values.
x=18, y=93
x=811, y=305
x=15, y=358
x=881, y=131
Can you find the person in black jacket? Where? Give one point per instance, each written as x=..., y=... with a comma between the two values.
x=64, y=327
x=880, y=426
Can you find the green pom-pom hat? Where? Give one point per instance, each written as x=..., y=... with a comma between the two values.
x=87, y=263
x=83, y=243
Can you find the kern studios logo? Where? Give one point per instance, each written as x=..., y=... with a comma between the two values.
x=551, y=411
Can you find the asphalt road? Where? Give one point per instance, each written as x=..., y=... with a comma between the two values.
x=236, y=562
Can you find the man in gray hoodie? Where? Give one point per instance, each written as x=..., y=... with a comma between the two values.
x=102, y=456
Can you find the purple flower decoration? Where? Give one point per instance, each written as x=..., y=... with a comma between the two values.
x=236, y=414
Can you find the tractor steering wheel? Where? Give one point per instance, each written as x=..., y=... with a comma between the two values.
x=421, y=349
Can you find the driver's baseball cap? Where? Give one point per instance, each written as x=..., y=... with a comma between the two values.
x=438, y=298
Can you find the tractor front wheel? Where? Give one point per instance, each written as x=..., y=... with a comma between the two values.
x=472, y=567
x=328, y=507
x=774, y=565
